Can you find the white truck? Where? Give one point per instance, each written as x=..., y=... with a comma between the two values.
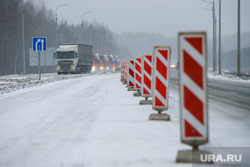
x=74, y=58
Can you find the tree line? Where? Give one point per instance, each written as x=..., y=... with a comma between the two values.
x=41, y=22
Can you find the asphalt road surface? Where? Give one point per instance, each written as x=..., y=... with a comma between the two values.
x=228, y=92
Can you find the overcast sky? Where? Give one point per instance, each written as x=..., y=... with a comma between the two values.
x=166, y=17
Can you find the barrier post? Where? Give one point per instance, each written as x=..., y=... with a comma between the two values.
x=131, y=78
x=193, y=94
x=161, y=65
x=137, y=76
x=125, y=74
x=122, y=75
x=147, y=75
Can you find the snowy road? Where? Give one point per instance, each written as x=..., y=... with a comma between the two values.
x=93, y=121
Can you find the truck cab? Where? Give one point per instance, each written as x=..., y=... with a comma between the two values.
x=66, y=61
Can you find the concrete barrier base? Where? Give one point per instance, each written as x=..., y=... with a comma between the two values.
x=137, y=94
x=145, y=102
x=131, y=89
x=160, y=117
x=124, y=83
x=191, y=156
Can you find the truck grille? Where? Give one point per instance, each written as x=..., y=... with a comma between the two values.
x=65, y=62
x=65, y=68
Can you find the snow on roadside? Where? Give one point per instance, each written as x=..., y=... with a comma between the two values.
x=224, y=76
x=10, y=83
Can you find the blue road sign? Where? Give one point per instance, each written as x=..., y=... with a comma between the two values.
x=39, y=44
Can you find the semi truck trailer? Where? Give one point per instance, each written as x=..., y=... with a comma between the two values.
x=74, y=58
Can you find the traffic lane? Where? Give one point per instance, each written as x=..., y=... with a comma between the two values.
x=236, y=94
x=230, y=92
x=233, y=86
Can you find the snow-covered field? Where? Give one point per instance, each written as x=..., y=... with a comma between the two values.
x=93, y=121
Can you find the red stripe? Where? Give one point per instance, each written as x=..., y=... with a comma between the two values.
x=164, y=53
x=130, y=83
x=138, y=78
x=145, y=92
x=149, y=57
x=193, y=69
x=132, y=62
x=190, y=131
x=138, y=68
x=158, y=102
x=147, y=68
x=193, y=104
x=161, y=88
x=137, y=86
x=161, y=68
x=138, y=59
x=131, y=72
x=196, y=42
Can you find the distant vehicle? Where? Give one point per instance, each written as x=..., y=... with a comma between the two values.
x=73, y=58
x=172, y=65
x=117, y=69
x=177, y=66
x=105, y=63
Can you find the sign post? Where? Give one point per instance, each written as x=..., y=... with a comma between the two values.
x=147, y=75
x=160, y=82
x=39, y=44
x=193, y=94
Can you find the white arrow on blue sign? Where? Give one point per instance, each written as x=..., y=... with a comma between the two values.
x=39, y=44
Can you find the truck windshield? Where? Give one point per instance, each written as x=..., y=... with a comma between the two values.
x=65, y=55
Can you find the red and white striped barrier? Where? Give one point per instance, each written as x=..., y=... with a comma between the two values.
x=127, y=72
x=131, y=74
x=193, y=88
x=137, y=76
x=161, y=78
x=147, y=75
x=121, y=71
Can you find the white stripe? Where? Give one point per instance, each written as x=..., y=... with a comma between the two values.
x=193, y=87
x=163, y=80
x=146, y=87
x=195, y=123
x=149, y=77
x=162, y=59
x=193, y=52
x=161, y=98
x=146, y=60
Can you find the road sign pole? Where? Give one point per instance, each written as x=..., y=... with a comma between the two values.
x=23, y=37
x=39, y=66
x=193, y=94
x=45, y=63
x=238, y=40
